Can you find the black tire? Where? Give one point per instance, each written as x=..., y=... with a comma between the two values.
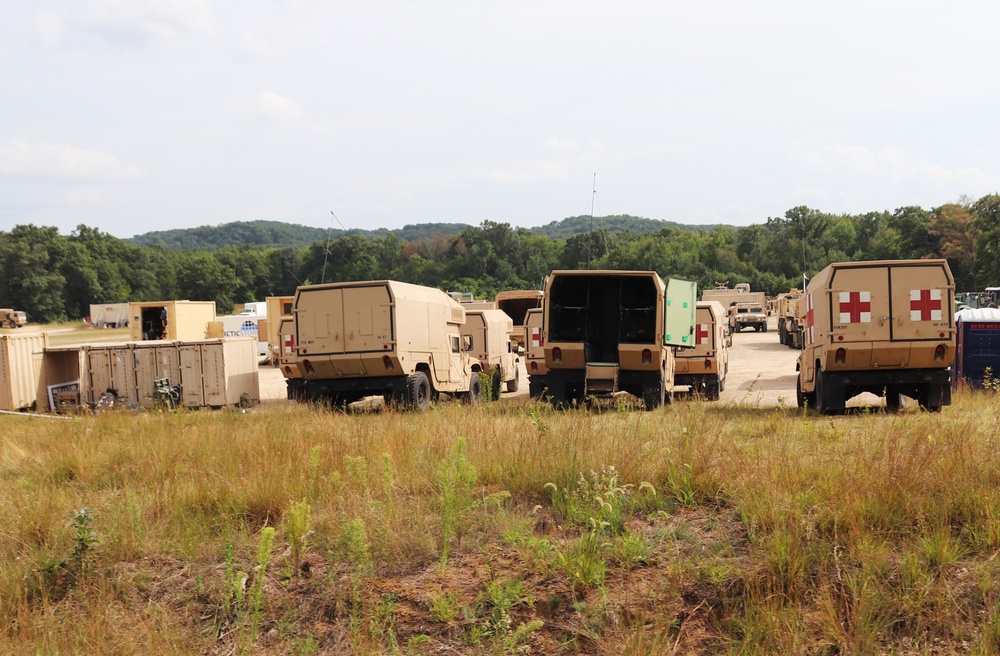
x=824, y=401
x=653, y=397
x=763, y=327
x=782, y=333
x=931, y=397
x=475, y=393
x=712, y=390
x=892, y=399
x=515, y=383
x=418, y=391
x=496, y=381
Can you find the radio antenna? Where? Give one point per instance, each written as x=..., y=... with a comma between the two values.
x=326, y=253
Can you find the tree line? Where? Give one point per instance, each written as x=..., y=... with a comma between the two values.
x=57, y=277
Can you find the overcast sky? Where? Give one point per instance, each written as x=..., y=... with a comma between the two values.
x=133, y=115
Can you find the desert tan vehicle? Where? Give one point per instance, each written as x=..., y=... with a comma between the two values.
x=703, y=369
x=786, y=308
x=747, y=315
x=614, y=331
x=884, y=327
x=279, y=308
x=489, y=334
x=534, y=352
x=516, y=304
x=740, y=293
x=12, y=318
x=388, y=338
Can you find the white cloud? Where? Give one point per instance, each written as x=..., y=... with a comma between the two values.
x=554, y=143
x=891, y=164
x=18, y=158
x=140, y=22
x=277, y=107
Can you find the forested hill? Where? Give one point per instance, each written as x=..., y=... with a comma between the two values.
x=276, y=234
x=578, y=225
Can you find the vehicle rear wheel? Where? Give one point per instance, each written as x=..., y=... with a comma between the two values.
x=892, y=400
x=496, y=382
x=826, y=403
x=763, y=327
x=712, y=389
x=931, y=397
x=800, y=397
x=652, y=397
x=418, y=391
x=512, y=385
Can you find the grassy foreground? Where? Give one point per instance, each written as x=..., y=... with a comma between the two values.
x=502, y=529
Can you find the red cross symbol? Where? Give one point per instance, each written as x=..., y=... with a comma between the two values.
x=855, y=307
x=536, y=338
x=289, y=343
x=701, y=334
x=925, y=304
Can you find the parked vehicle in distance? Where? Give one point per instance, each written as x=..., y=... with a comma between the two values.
x=516, y=304
x=534, y=352
x=786, y=309
x=703, y=368
x=747, y=315
x=383, y=337
x=12, y=318
x=613, y=331
x=883, y=327
x=489, y=337
x=740, y=293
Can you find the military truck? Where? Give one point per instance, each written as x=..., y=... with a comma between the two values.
x=786, y=309
x=534, y=352
x=747, y=315
x=516, y=304
x=608, y=332
x=489, y=334
x=740, y=293
x=884, y=327
x=383, y=337
x=12, y=318
x=703, y=368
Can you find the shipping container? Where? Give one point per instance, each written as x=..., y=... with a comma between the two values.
x=20, y=370
x=111, y=367
x=109, y=315
x=171, y=320
x=977, y=351
x=63, y=373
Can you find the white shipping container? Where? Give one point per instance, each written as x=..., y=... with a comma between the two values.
x=246, y=325
x=20, y=370
x=109, y=315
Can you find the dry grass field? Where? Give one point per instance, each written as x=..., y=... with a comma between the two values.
x=739, y=527
x=502, y=529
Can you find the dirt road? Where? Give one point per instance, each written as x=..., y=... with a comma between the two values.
x=761, y=371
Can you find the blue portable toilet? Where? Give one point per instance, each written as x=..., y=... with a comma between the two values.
x=977, y=347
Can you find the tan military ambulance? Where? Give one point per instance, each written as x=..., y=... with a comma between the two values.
x=703, y=368
x=516, y=304
x=614, y=331
x=534, y=352
x=489, y=334
x=884, y=327
x=286, y=360
x=388, y=338
x=786, y=309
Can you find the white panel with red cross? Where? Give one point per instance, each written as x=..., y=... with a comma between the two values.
x=855, y=307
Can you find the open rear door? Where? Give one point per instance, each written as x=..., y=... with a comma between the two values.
x=679, y=313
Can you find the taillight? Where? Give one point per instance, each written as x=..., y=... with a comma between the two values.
x=557, y=354
x=288, y=372
x=534, y=366
x=647, y=356
x=309, y=367
x=939, y=352
x=708, y=363
x=387, y=361
x=841, y=356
